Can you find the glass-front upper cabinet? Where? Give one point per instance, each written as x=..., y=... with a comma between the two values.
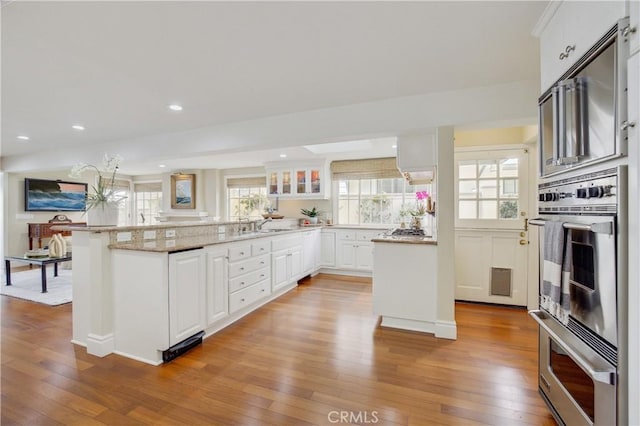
x=280, y=182
x=308, y=181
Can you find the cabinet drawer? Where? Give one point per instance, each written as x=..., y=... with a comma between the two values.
x=347, y=235
x=261, y=247
x=251, y=264
x=367, y=235
x=239, y=252
x=247, y=296
x=246, y=280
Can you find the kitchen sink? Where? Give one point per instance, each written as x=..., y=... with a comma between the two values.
x=268, y=231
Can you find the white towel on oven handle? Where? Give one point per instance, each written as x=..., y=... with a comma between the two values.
x=555, y=297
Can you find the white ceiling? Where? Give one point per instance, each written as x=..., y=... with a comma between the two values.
x=115, y=66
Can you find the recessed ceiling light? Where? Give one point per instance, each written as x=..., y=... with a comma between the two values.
x=175, y=107
x=283, y=155
x=77, y=127
x=394, y=146
x=23, y=137
x=162, y=165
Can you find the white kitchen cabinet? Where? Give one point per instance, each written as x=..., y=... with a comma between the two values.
x=328, y=248
x=249, y=273
x=187, y=302
x=570, y=33
x=310, y=251
x=302, y=180
x=217, y=284
x=286, y=261
x=354, y=249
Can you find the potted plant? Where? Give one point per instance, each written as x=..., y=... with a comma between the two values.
x=311, y=214
x=102, y=204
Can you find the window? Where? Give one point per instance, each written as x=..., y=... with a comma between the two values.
x=372, y=192
x=488, y=187
x=246, y=197
x=148, y=201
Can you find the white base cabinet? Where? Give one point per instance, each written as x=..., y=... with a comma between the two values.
x=354, y=249
x=286, y=261
x=159, y=300
x=328, y=248
x=216, y=287
x=311, y=252
x=187, y=302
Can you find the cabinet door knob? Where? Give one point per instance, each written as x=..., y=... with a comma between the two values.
x=242, y=300
x=242, y=268
x=570, y=48
x=242, y=283
x=626, y=124
x=241, y=253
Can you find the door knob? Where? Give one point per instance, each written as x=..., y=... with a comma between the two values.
x=524, y=242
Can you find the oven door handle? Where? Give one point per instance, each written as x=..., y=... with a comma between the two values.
x=606, y=376
x=598, y=228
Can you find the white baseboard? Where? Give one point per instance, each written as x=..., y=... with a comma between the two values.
x=446, y=330
x=407, y=324
x=100, y=345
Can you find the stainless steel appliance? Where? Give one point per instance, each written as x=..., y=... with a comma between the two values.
x=583, y=116
x=578, y=363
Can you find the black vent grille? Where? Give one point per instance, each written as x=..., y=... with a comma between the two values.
x=608, y=351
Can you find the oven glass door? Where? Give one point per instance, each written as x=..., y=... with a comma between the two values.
x=572, y=378
x=591, y=258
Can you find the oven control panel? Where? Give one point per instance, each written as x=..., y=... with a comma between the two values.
x=590, y=193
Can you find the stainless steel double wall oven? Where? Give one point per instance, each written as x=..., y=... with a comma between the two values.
x=583, y=187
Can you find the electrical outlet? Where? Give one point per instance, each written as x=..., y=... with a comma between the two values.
x=170, y=233
x=149, y=235
x=170, y=243
x=122, y=237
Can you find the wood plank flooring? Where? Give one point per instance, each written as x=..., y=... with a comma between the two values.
x=314, y=356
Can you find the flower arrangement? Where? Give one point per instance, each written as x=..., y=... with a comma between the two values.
x=104, y=193
x=422, y=201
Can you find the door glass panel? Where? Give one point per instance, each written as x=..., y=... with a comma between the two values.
x=467, y=209
x=509, y=209
x=467, y=189
x=509, y=188
x=487, y=169
x=488, y=209
x=467, y=170
x=509, y=167
x=488, y=189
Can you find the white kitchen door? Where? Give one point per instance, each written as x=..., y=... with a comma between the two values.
x=491, y=235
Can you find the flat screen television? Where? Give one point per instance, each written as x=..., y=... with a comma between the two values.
x=41, y=195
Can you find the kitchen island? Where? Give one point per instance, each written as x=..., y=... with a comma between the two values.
x=142, y=291
x=405, y=284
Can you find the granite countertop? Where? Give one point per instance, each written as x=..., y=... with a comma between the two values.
x=194, y=242
x=404, y=239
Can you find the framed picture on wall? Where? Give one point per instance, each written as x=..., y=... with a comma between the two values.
x=183, y=191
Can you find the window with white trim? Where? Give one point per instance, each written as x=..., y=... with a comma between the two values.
x=246, y=197
x=147, y=201
x=372, y=192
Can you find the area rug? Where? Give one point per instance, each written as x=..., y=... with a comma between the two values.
x=28, y=285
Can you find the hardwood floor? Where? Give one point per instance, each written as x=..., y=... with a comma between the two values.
x=314, y=356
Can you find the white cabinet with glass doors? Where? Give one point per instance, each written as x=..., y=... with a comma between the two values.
x=304, y=180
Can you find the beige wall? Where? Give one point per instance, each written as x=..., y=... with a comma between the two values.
x=502, y=136
x=16, y=230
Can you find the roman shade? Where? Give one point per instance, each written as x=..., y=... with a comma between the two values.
x=371, y=168
x=247, y=182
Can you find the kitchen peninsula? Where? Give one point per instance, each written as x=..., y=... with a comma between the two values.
x=141, y=291
x=405, y=284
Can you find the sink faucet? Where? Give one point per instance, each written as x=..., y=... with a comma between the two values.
x=259, y=225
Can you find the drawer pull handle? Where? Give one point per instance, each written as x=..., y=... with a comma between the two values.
x=241, y=253
x=567, y=51
x=261, y=275
x=262, y=263
x=262, y=290
x=242, y=268
x=242, y=300
x=242, y=283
